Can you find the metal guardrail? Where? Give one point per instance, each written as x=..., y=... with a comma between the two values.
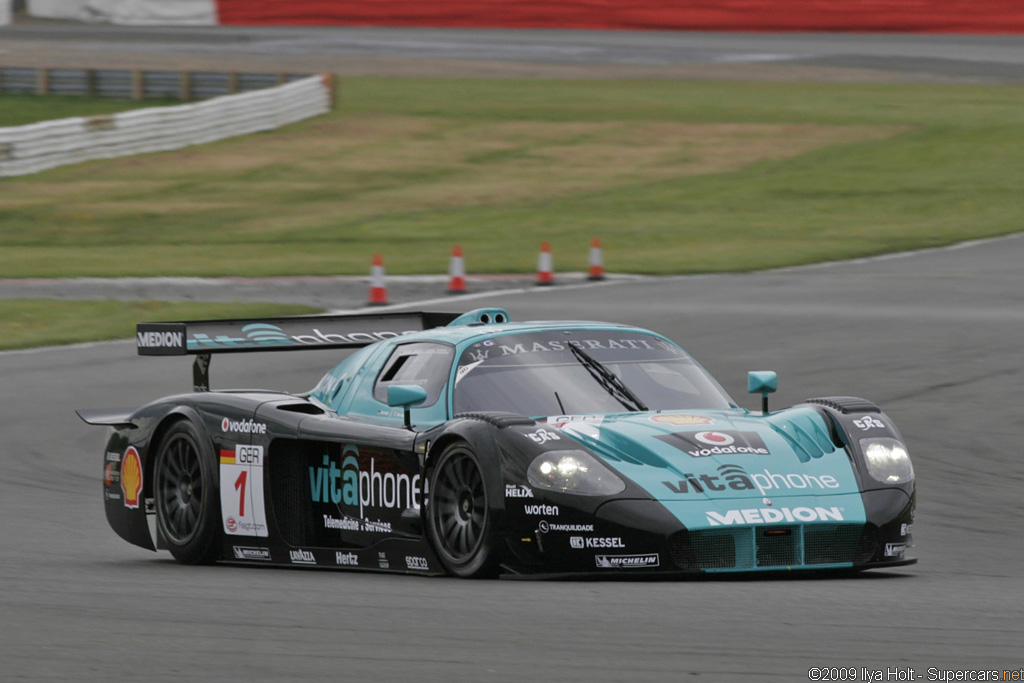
x=135, y=84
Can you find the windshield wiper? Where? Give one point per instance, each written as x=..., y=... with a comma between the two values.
x=608, y=380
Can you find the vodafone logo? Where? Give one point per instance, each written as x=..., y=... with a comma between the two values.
x=232, y=524
x=249, y=426
x=714, y=438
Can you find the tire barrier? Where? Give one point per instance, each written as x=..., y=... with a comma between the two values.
x=40, y=146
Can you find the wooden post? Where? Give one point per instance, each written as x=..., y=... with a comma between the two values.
x=43, y=82
x=186, y=86
x=138, y=89
x=90, y=82
x=232, y=82
x=329, y=83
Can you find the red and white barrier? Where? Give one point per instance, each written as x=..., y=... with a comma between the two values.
x=456, y=272
x=545, y=266
x=596, y=271
x=921, y=16
x=378, y=286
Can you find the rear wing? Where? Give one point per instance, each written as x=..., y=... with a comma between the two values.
x=295, y=333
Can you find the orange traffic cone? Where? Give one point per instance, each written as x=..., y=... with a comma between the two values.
x=545, y=266
x=596, y=260
x=378, y=290
x=456, y=272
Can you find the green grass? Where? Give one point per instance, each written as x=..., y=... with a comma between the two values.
x=44, y=322
x=675, y=177
x=19, y=110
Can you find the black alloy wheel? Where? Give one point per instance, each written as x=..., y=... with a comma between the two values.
x=184, y=489
x=458, y=516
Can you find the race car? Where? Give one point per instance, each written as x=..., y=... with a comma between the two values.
x=475, y=446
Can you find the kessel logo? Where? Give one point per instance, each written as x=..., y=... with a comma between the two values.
x=704, y=444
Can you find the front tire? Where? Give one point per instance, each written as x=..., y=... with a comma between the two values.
x=186, y=495
x=459, y=520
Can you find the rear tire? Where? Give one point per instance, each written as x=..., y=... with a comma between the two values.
x=459, y=520
x=186, y=495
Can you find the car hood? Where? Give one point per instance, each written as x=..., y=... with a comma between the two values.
x=726, y=461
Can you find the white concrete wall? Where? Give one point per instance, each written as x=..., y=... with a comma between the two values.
x=129, y=12
x=56, y=9
x=39, y=146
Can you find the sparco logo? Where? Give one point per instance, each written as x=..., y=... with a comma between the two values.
x=626, y=561
x=160, y=340
x=704, y=444
x=735, y=478
x=774, y=515
x=246, y=553
x=243, y=426
x=302, y=557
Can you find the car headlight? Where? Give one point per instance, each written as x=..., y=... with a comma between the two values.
x=887, y=460
x=573, y=472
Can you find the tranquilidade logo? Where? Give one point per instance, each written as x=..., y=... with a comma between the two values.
x=704, y=444
x=348, y=484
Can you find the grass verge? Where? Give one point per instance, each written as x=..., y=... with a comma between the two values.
x=45, y=322
x=20, y=110
x=675, y=177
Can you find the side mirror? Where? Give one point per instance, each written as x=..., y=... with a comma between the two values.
x=762, y=382
x=406, y=396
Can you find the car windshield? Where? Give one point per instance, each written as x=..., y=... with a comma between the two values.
x=537, y=374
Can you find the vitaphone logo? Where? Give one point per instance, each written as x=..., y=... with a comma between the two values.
x=704, y=444
x=733, y=477
x=159, y=340
x=348, y=485
x=265, y=334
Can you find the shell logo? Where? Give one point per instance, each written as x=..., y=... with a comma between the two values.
x=131, y=477
x=683, y=420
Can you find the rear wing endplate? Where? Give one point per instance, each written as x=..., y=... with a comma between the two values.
x=295, y=333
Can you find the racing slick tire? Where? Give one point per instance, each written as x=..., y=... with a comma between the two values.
x=459, y=520
x=186, y=495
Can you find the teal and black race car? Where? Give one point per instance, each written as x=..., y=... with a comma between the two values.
x=472, y=445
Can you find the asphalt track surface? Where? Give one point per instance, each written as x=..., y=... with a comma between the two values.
x=933, y=337
x=498, y=52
